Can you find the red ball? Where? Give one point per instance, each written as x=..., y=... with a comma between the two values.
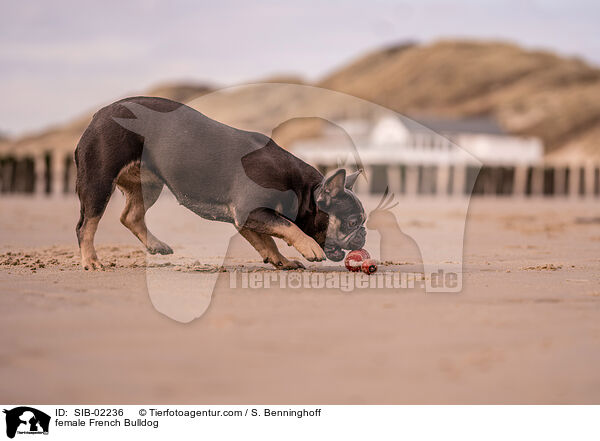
x=369, y=266
x=355, y=258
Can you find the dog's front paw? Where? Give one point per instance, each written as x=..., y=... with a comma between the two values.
x=310, y=249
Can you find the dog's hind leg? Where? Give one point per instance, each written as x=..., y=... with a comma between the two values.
x=93, y=198
x=140, y=193
x=86, y=229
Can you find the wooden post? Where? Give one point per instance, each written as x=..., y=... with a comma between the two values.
x=57, y=162
x=8, y=172
x=537, y=181
x=459, y=180
x=489, y=181
x=393, y=178
x=573, y=180
x=39, y=166
x=589, y=179
x=412, y=180
x=520, y=180
x=443, y=174
x=559, y=180
x=2, y=176
x=431, y=182
x=20, y=174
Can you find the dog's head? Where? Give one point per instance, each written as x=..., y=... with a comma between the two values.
x=345, y=230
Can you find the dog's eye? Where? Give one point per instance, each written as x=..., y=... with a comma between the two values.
x=352, y=223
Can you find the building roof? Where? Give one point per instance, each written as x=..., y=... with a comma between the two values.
x=483, y=125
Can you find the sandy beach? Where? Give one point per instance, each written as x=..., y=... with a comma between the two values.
x=524, y=329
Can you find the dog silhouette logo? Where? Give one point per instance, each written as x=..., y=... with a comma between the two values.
x=26, y=420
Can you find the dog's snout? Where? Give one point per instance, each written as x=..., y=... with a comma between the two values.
x=361, y=233
x=358, y=239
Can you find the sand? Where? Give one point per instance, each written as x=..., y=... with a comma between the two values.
x=524, y=329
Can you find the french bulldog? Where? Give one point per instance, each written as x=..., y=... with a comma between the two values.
x=221, y=173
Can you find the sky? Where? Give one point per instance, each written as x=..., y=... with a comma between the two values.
x=62, y=58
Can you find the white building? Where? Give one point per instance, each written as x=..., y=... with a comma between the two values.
x=432, y=155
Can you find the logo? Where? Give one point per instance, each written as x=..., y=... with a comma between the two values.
x=26, y=420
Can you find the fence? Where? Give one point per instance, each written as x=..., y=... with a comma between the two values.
x=53, y=173
x=50, y=173
x=547, y=179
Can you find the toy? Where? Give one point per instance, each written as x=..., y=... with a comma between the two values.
x=355, y=258
x=369, y=266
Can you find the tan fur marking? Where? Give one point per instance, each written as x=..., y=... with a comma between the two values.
x=133, y=216
x=89, y=259
x=295, y=237
x=267, y=248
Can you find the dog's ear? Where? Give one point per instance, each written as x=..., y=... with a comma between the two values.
x=351, y=179
x=331, y=186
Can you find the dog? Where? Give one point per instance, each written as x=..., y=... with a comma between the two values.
x=141, y=144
